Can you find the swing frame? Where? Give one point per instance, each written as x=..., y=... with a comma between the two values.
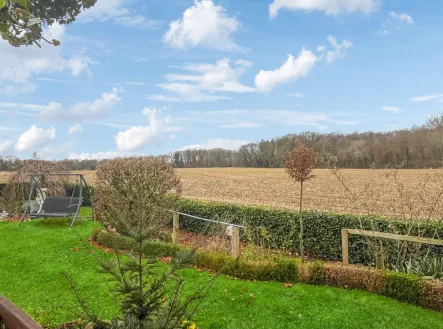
x=34, y=183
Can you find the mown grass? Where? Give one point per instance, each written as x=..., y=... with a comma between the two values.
x=33, y=256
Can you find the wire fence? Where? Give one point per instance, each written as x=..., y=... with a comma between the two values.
x=207, y=220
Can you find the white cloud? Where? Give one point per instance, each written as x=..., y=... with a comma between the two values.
x=296, y=95
x=98, y=155
x=426, y=98
x=27, y=62
x=321, y=48
x=203, y=25
x=395, y=22
x=227, y=144
x=330, y=7
x=290, y=71
x=338, y=50
x=83, y=110
x=5, y=146
x=203, y=80
x=77, y=128
x=115, y=10
x=3, y=128
x=294, y=118
x=242, y=124
x=35, y=138
x=242, y=118
x=136, y=137
x=134, y=83
x=392, y=109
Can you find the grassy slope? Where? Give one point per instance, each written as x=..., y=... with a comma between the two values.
x=33, y=256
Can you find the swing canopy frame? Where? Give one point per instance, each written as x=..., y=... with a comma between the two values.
x=55, y=206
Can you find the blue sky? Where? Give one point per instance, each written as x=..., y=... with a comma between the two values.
x=150, y=77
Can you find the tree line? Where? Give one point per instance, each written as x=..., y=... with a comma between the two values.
x=418, y=147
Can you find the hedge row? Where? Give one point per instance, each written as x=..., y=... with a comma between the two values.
x=403, y=287
x=322, y=231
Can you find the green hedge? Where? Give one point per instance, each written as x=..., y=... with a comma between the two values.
x=403, y=287
x=322, y=231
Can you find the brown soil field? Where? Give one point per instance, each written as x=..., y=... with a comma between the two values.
x=411, y=193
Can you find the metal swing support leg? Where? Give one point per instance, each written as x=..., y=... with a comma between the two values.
x=80, y=201
x=31, y=190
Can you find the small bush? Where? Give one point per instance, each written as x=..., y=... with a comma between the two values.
x=95, y=232
x=431, y=294
x=355, y=277
x=403, y=287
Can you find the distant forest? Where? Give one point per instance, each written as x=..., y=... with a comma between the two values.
x=418, y=147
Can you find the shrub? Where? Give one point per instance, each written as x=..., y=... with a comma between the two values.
x=431, y=294
x=403, y=287
x=355, y=277
x=136, y=193
x=95, y=232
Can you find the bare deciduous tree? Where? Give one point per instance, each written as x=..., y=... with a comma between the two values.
x=299, y=164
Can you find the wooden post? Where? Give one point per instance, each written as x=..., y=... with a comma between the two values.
x=175, y=228
x=345, y=246
x=235, y=242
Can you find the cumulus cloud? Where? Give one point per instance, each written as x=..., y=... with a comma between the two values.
x=293, y=69
x=330, y=7
x=83, y=110
x=77, y=128
x=116, y=11
x=426, y=98
x=27, y=62
x=227, y=144
x=395, y=22
x=136, y=137
x=203, y=25
x=5, y=146
x=202, y=80
x=35, y=138
x=338, y=50
x=392, y=109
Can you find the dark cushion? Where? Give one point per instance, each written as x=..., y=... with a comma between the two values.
x=60, y=204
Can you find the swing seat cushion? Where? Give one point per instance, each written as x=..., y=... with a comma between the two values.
x=58, y=206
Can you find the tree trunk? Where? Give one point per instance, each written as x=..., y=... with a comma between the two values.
x=302, y=250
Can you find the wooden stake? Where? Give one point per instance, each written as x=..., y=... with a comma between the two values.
x=345, y=246
x=175, y=228
x=235, y=242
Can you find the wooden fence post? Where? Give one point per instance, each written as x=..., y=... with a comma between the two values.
x=235, y=242
x=345, y=246
x=175, y=228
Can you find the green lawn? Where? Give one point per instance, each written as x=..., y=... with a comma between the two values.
x=33, y=255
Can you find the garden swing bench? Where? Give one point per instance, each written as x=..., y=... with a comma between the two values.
x=55, y=206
